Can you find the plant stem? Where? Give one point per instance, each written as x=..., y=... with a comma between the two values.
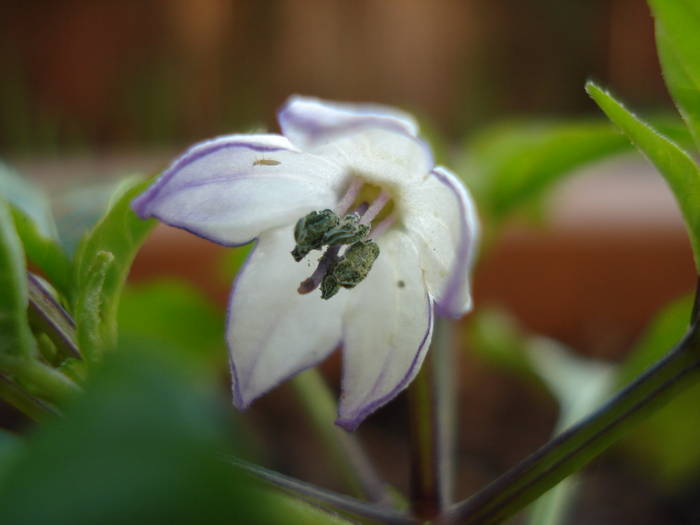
x=574, y=448
x=38, y=379
x=46, y=315
x=345, y=450
x=323, y=497
x=431, y=399
x=28, y=405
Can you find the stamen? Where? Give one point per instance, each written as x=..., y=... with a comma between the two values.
x=310, y=284
x=375, y=207
x=383, y=226
x=349, y=197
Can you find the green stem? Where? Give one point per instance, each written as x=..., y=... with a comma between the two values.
x=18, y=398
x=345, y=450
x=39, y=380
x=431, y=399
x=323, y=497
x=574, y=448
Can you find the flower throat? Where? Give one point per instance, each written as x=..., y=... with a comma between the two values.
x=335, y=229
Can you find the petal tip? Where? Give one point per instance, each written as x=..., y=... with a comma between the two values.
x=140, y=205
x=349, y=424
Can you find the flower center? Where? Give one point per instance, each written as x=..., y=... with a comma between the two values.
x=371, y=215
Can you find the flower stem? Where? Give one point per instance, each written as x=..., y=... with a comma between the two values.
x=432, y=404
x=574, y=448
x=345, y=450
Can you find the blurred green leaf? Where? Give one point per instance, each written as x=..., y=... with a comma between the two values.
x=177, y=315
x=16, y=338
x=494, y=336
x=676, y=166
x=665, y=444
x=22, y=194
x=143, y=445
x=35, y=226
x=511, y=165
x=119, y=233
x=678, y=43
x=81, y=205
x=44, y=252
x=578, y=385
x=10, y=448
x=92, y=332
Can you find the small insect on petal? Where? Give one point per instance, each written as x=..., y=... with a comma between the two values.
x=266, y=162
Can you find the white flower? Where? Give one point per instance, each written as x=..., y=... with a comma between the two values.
x=241, y=188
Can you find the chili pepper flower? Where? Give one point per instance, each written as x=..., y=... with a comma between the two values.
x=359, y=241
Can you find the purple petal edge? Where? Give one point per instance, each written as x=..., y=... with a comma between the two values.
x=445, y=306
x=317, y=131
x=363, y=115
x=238, y=400
x=141, y=203
x=351, y=423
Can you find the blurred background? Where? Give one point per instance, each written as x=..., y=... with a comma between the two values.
x=90, y=91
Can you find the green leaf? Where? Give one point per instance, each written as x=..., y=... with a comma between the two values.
x=678, y=43
x=578, y=384
x=179, y=317
x=92, y=333
x=16, y=338
x=35, y=226
x=145, y=444
x=10, y=448
x=21, y=194
x=676, y=166
x=512, y=165
x=44, y=252
x=119, y=233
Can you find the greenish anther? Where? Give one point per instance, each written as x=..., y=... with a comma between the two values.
x=310, y=230
x=348, y=231
x=329, y=286
x=352, y=268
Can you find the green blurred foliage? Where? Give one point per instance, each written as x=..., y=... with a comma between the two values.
x=677, y=167
x=577, y=384
x=678, y=44
x=34, y=222
x=511, y=165
x=177, y=316
x=109, y=247
x=16, y=341
x=143, y=445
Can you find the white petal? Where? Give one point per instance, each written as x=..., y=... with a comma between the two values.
x=230, y=189
x=381, y=156
x=387, y=330
x=439, y=216
x=273, y=332
x=306, y=120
